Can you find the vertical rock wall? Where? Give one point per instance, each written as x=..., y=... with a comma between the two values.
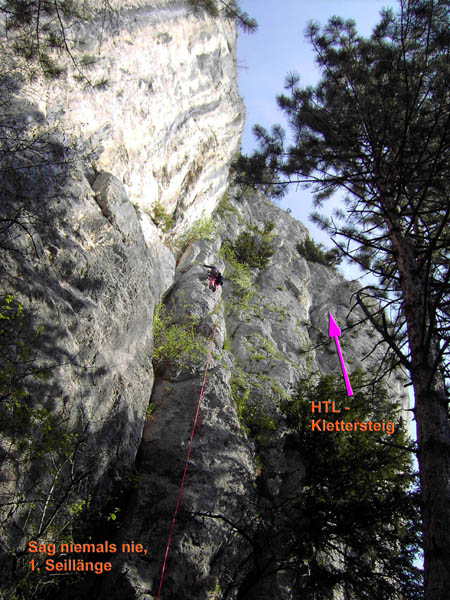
x=158, y=123
x=264, y=344
x=161, y=112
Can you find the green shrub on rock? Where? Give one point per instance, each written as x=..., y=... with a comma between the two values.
x=161, y=217
x=356, y=520
x=317, y=253
x=177, y=343
x=202, y=229
x=254, y=247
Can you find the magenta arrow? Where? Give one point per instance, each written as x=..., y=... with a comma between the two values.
x=335, y=332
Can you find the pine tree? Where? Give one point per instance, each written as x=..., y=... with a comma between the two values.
x=377, y=125
x=229, y=9
x=351, y=527
x=356, y=519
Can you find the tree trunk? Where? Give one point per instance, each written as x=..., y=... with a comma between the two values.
x=432, y=422
x=433, y=439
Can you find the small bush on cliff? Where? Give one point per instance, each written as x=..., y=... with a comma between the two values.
x=178, y=343
x=202, y=229
x=254, y=247
x=238, y=273
x=317, y=253
x=253, y=416
x=161, y=217
x=225, y=208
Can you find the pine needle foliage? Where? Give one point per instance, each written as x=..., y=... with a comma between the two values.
x=317, y=253
x=353, y=528
x=254, y=247
x=229, y=9
x=38, y=35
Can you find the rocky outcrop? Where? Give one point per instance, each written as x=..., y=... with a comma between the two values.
x=85, y=275
x=266, y=342
x=83, y=166
x=161, y=109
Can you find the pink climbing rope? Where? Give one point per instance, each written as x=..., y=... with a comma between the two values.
x=188, y=456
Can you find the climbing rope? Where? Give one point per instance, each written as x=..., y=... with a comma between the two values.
x=188, y=454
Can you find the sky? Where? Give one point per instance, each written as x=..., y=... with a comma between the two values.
x=279, y=47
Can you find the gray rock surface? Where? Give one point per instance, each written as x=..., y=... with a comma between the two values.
x=270, y=343
x=87, y=276
x=162, y=113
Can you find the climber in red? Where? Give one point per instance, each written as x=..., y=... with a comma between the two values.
x=215, y=277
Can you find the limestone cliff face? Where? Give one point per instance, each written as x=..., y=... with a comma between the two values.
x=161, y=110
x=87, y=262
x=265, y=344
x=82, y=168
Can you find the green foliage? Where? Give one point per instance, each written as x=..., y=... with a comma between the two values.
x=317, y=253
x=101, y=84
x=225, y=208
x=228, y=9
x=177, y=343
x=240, y=391
x=261, y=348
x=38, y=34
x=380, y=134
x=87, y=60
x=356, y=520
x=203, y=229
x=254, y=176
x=114, y=514
x=161, y=217
x=110, y=517
x=239, y=274
x=132, y=480
x=252, y=414
x=150, y=411
x=254, y=247
x=258, y=424
x=17, y=360
x=216, y=593
x=227, y=344
x=77, y=507
x=282, y=312
x=45, y=456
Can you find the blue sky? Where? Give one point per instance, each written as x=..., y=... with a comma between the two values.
x=279, y=47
